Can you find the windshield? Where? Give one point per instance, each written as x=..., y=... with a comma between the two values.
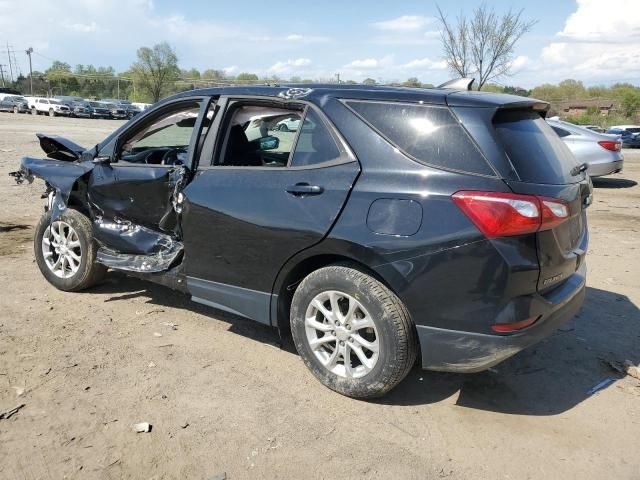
x=633, y=130
x=54, y=102
x=96, y=104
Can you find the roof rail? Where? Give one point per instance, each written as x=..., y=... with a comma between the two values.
x=458, y=84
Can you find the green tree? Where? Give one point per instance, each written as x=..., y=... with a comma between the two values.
x=412, y=82
x=369, y=81
x=156, y=70
x=630, y=102
x=245, y=77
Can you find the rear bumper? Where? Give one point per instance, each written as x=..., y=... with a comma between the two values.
x=600, y=169
x=458, y=351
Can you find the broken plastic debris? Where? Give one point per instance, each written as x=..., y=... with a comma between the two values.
x=172, y=326
x=157, y=334
x=631, y=369
x=143, y=427
x=605, y=383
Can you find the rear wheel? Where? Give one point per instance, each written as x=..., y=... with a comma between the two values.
x=66, y=252
x=15, y=110
x=352, y=332
x=34, y=111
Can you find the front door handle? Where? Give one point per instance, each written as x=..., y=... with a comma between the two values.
x=304, y=189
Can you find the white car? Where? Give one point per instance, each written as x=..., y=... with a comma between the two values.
x=290, y=124
x=47, y=106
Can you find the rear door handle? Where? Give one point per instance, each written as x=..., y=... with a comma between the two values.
x=304, y=189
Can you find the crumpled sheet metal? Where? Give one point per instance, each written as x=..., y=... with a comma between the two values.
x=147, y=250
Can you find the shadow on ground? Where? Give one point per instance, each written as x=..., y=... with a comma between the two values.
x=547, y=379
x=604, y=182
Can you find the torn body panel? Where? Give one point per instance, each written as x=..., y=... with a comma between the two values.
x=135, y=209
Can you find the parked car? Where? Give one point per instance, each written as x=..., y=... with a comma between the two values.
x=290, y=124
x=68, y=100
x=595, y=128
x=116, y=111
x=81, y=109
x=600, y=152
x=126, y=105
x=629, y=134
x=47, y=106
x=100, y=110
x=15, y=104
x=141, y=106
x=446, y=222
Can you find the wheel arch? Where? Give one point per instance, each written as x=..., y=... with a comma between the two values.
x=301, y=265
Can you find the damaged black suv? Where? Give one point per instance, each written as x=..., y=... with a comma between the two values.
x=380, y=224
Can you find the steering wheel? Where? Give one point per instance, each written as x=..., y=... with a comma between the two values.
x=171, y=156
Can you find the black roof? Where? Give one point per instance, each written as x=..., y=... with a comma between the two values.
x=370, y=92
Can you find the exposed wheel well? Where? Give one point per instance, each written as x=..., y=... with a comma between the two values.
x=304, y=268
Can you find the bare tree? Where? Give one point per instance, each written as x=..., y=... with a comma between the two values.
x=156, y=69
x=483, y=44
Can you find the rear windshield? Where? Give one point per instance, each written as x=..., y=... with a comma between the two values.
x=536, y=152
x=428, y=134
x=633, y=130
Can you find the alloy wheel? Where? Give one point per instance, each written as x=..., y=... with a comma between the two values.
x=342, y=334
x=61, y=249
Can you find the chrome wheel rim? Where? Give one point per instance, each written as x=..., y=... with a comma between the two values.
x=61, y=249
x=341, y=334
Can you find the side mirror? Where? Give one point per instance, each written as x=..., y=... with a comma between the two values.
x=269, y=143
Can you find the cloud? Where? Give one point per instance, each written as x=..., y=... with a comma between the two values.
x=405, y=23
x=599, y=42
x=364, y=63
x=424, y=63
x=231, y=70
x=289, y=65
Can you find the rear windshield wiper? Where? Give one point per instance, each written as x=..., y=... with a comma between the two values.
x=578, y=169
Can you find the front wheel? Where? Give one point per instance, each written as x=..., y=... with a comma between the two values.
x=15, y=110
x=66, y=252
x=52, y=113
x=352, y=332
x=34, y=111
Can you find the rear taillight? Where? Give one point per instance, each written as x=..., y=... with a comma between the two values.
x=612, y=145
x=507, y=214
x=514, y=326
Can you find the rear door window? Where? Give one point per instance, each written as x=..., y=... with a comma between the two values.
x=428, y=134
x=535, y=151
x=315, y=144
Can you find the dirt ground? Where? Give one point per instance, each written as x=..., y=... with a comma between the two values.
x=223, y=397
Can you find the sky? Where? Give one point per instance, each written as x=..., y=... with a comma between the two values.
x=596, y=41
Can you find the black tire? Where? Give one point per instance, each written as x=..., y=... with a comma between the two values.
x=15, y=110
x=395, y=329
x=283, y=128
x=89, y=271
x=52, y=113
x=34, y=111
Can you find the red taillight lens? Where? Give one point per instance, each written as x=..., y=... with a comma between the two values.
x=515, y=326
x=612, y=145
x=507, y=214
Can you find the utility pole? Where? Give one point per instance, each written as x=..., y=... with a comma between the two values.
x=118, y=83
x=2, y=73
x=338, y=77
x=29, y=51
x=9, y=58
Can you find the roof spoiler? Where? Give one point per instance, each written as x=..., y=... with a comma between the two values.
x=458, y=84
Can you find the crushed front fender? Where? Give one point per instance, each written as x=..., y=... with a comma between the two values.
x=59, y=175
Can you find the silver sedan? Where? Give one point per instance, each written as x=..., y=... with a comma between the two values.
x=601, y=152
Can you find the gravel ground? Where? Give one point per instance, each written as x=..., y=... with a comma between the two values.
x=223, y=397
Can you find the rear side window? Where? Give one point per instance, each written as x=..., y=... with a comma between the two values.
x=315, y=144
x=429, y=134
x=561, y=131
x=536, y=152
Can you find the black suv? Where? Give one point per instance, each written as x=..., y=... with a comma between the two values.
x=390, y=223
